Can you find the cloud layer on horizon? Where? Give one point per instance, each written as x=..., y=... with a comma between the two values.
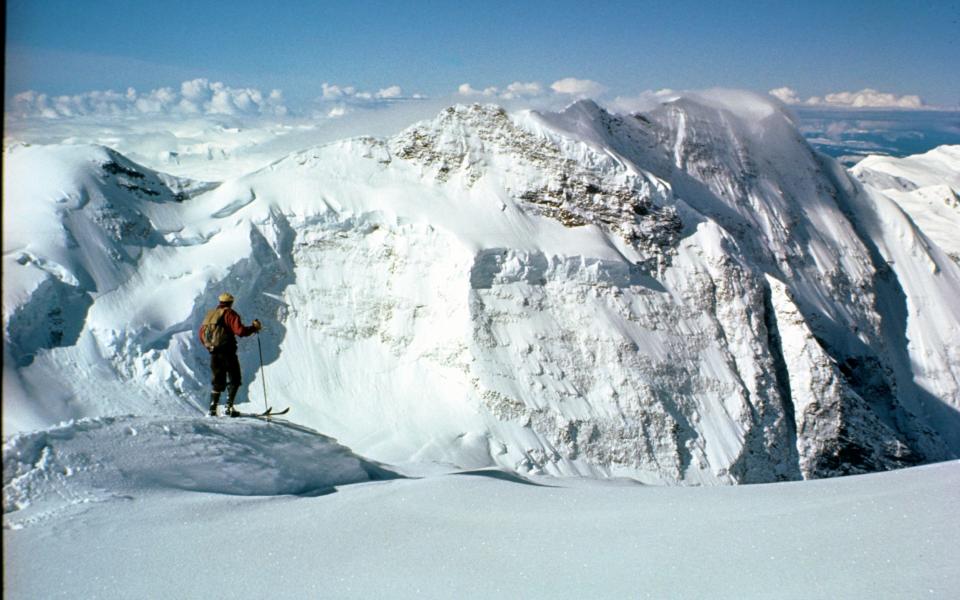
x=202, y=97
x=865, y=98
x=569, y=87
x=196, y=98
x=211, y=131
x=336, y=101
x=193, y=98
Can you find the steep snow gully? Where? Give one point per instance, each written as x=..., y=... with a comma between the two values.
x=687, y=295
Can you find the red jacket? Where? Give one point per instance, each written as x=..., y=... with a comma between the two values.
x=232, y=320
x=234, y=327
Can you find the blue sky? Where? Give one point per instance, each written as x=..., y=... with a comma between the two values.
x=69, y=47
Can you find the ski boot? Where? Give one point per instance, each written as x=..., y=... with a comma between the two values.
x=231, y=395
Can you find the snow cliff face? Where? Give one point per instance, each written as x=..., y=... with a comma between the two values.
x=796, y=220
x=688, y=295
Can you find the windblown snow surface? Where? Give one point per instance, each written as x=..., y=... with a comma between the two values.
x=570, y=305
x=184, y=507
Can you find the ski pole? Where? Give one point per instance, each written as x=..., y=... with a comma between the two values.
x=262, y=378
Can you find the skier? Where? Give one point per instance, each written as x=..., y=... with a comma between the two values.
x=218, y=335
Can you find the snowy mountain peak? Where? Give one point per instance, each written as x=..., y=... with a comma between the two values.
x=926, y=187
x=689, y=294
x=569, y=181
x=83, y=215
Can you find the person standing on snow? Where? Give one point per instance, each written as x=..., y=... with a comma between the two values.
x=218, y=333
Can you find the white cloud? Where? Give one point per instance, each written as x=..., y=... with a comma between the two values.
x=785, y=94
x=337, y=101
x=577, y=87
x=195, y=97
x=350, y=94
x=333, y=92
x=520, y=89
x=873, y=98
x=394, y=91
x=466, y=89
x=513, y=91
x=865, y=98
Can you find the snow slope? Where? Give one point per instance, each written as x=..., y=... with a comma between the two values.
x=925, y=186
x=688, y=295
x=60, y=471
x=194, y=507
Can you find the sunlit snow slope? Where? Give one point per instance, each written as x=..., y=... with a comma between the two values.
x=686, y=295
x=926, y=188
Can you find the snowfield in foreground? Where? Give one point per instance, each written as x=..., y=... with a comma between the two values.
x=63, y=469
x=272, y=510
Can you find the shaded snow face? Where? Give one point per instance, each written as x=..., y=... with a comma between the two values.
x=796, y=218
x=57, y=472
x=688, y=295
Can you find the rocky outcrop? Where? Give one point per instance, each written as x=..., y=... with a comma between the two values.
x=469, y=142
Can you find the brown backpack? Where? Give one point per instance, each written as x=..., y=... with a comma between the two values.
x=213, y=331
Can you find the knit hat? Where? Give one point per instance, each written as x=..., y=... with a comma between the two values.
x=225, y=297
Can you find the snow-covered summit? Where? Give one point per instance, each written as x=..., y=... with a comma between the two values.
x=685, y=295
x=739, y=161
x=574, y=183
x=926, y=187
x=91, y=199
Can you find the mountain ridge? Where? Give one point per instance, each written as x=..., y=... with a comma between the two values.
x=516, y=289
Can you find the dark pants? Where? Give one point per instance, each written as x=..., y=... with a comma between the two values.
x=225, y=365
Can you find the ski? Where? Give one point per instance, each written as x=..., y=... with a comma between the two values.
x=262, y=415
x=267, y=413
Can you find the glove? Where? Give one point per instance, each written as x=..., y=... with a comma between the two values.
x=257, y=325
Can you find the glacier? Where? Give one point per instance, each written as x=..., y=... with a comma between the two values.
x=688, y=295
